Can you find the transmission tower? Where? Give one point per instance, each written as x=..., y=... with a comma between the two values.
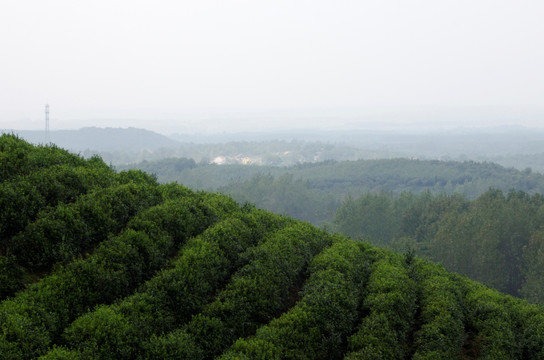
x=47, y=138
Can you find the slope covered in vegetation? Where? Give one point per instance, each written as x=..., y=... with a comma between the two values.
x=129, y=269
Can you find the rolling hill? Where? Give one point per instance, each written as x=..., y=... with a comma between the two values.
x=102, y=139
x=103, y=265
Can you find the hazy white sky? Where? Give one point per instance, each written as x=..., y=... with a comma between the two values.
x=228, y=64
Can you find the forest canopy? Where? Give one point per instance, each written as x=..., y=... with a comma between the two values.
x=316, y=190
x=495, y=239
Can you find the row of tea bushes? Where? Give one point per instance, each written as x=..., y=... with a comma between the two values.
x=390, y=307
x=258, y=292
x=317, y=326
x=170, y=298
x=34, y=319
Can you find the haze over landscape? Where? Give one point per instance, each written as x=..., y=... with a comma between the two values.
x=215, y=66
x=272, y=180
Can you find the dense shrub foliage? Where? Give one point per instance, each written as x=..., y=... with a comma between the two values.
x=390, y=306
x=125, y=268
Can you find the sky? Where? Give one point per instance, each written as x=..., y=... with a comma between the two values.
x=233, y=65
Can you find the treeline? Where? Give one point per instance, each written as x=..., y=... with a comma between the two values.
x=314, y=192
x=137, y=270
x=497, y=239
x=357, y=177
x=322, y=186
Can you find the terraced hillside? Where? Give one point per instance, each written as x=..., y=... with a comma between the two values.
x=103, y=265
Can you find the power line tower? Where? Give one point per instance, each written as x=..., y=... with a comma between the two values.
x=47, y=137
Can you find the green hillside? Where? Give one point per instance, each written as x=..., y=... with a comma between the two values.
x=103, y=265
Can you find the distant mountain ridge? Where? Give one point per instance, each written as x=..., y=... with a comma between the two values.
x=101, y=139
x=516, y=147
